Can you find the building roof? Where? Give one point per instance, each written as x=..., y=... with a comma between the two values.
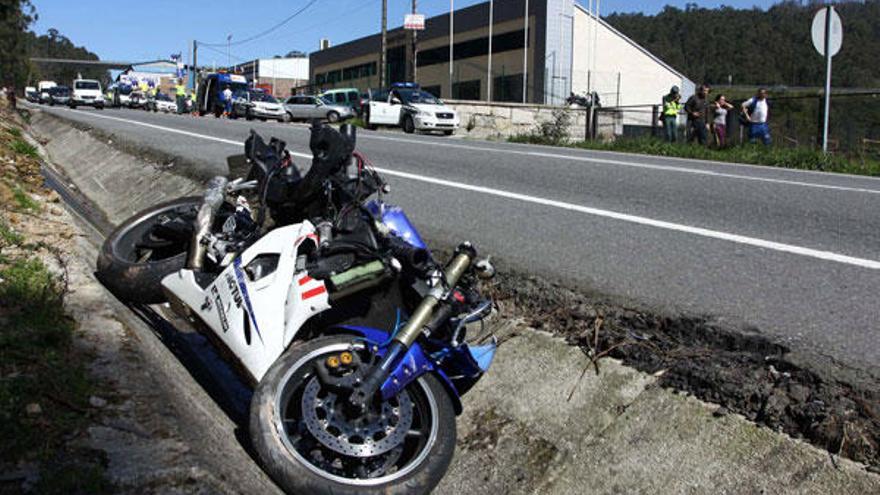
x=633, y=43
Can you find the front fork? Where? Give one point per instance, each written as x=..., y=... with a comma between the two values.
x=421, y=317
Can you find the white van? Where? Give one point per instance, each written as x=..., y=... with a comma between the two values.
x=87, y=92
x=43, y=90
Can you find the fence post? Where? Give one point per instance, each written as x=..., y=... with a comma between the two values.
x=655, y=119
x=587, y=118
x=595, y=124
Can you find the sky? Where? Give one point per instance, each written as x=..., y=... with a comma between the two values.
x=156, y=29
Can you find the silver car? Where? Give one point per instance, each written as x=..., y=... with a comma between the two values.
x=312, y=107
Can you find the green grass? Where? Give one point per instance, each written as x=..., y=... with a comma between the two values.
x=775, y=156
x=14, y=132
x=40, y=365
x=23, y=200
x=22, y=147
x=357, y=122
x=9, y=237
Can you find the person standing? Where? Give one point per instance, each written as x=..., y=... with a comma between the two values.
x=227, y=101
x=671, y=108
x=697, y=109
x=756, y=111
x=180, y=93
x=720, y=109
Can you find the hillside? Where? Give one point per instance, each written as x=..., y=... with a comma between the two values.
x=755, y=47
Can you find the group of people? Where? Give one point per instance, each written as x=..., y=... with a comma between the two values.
x=705, y=116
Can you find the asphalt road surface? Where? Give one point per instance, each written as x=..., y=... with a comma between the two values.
x=793, y=253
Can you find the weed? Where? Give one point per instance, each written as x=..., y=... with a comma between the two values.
x=9, y=237
x=22, y=147
x=39, y=365
x=799, y=158
x=14, y=131
x=23, y=199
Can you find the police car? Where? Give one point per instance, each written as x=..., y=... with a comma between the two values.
x=407, y=106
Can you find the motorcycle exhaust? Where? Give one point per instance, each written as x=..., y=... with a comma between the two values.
x=211, y=201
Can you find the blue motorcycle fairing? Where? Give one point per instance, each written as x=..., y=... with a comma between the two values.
x=413, y=365
x=396, y=220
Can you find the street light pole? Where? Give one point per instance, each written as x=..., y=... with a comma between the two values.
x=451, y=40
x=525, y=88
x=489, y=68
x=383, y=55
x=415, y=49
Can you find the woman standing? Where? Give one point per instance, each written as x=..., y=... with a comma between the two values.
x=719, y=123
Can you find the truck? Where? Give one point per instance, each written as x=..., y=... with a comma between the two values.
x=43, y=90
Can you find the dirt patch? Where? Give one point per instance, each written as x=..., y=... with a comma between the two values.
x=739, y=369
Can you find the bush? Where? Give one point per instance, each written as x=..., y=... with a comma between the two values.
x=552, y=132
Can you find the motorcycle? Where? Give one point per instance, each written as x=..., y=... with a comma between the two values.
x=301, y=296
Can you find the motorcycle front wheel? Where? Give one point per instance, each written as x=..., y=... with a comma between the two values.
x=309, y=442
x=146, y=248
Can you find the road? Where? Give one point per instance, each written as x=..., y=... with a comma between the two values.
x=791, y=253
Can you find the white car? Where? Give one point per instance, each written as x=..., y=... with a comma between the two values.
x=87, y=92
x=258, y=105
x=165, y=103
x=412, y=109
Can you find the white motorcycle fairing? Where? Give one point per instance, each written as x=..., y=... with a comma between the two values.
x=256, y=320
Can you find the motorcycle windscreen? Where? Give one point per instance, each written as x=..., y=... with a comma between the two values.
x=396, y=220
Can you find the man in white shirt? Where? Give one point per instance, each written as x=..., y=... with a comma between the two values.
x=227, y=101
x=757, y=112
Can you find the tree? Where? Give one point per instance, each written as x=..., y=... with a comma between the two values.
x=15, y=17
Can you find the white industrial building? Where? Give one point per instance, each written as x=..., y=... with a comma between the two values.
x=277, y=75
x=565, y=49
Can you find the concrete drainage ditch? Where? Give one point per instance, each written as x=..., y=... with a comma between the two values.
x=543, y=420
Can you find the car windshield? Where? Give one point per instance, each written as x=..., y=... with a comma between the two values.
x=417, y=96
x=163, y=97
x=327, y=100
x=86, y=85
x=124, y=90
x=258, y=96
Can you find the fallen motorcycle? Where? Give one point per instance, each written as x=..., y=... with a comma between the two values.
x=356, y=339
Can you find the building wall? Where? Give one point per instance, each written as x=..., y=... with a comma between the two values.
x=287, y=68
x=643, y=79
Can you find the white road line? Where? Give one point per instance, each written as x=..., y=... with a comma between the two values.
x=646, y=166
x=712, y=234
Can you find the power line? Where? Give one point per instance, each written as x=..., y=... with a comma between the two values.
x=267, y=31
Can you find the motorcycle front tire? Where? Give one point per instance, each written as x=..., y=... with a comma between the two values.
x=134, y=281
x=294, y=477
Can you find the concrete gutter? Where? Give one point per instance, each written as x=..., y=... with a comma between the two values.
x=520, y=433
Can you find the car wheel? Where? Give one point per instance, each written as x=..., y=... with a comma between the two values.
x=281, y=120
x=287, y=118
x=370, y=126
x=332, y=117
x=448, y=133
x=248, y=115
x=409, y=126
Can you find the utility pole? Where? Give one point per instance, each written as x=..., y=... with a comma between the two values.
x=383, y=55
x=525, y=90
x=194, y=70
x=228, y=56
x=489, y=68
x=451, y=40
x=415, y=48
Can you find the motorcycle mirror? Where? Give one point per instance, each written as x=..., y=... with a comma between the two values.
x=484, y=268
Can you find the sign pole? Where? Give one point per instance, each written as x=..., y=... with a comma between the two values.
x=826, y=114
x=489, y=68
x=451, y=41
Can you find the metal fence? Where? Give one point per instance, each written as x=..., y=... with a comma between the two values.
x=795, y=121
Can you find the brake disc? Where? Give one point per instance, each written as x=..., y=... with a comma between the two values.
x=326, y=421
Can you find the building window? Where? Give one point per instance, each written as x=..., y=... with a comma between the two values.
x=466, y=90
x=434, y=90
x=507, y=88
x=512, y=40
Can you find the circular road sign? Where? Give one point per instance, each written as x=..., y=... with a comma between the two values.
x=836, y=31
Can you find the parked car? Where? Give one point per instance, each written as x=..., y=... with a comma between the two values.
x=43, y=90
x=59, y=95
x=349, y=97
x=121, y=94
x=31, y=94
x=164, y=103
x=252, y=104
x=307, y=107
x=407, y=106
x=87, y=92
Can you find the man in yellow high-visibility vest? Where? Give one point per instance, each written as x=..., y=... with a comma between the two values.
x=180, y=92
x=671, y=108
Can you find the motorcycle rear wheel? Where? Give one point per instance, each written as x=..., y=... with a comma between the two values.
x=301, y=463
x=133, y=260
